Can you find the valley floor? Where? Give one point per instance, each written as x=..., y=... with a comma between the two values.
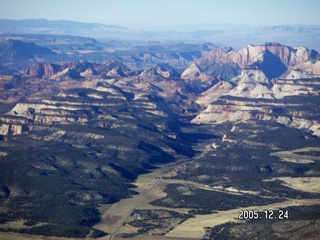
x=150, y=187
x=116, y=218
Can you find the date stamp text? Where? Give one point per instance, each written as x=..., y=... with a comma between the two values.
x=267, y=214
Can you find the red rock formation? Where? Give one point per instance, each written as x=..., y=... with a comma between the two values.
x=250, y=54
x=272, y=58
x=42, y=70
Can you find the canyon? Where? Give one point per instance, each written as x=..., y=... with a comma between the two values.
x=180, y=137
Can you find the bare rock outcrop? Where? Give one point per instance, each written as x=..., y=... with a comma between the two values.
x=42, y=70
x=12, y=129
x=158, y=70
x=213, y=93
x=76, y=70
x=193, y=72
x=272, y=58
x=252, y=83
x=305, y=70
x=237, y=109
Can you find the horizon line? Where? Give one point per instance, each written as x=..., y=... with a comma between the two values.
x=164, y=25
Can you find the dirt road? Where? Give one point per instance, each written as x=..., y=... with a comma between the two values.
x=137, y=205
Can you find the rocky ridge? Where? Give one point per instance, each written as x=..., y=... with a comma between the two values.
x=83, y=86
x=273, y=59
x=251, y=96
x=194, y=89
x=268, y=77
x=76, y=70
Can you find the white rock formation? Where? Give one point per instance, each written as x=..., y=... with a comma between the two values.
x=252, y=84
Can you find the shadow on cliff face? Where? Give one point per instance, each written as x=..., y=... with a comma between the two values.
x=272, y=65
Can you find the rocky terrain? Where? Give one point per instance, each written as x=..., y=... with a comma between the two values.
x=20, y=51
x=255, y=93
x=81, y=132
x=273, y=59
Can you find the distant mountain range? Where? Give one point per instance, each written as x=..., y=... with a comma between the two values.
x=52, y=26
x=222, y=34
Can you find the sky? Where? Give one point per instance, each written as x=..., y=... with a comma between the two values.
x=166, y=12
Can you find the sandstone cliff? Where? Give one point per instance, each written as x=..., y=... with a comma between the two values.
x=253, y=83
x=272, y=58
x=290, y=112
x=292, y=101
x=305, y=70
x=76, y=70
x=193, y=72
x=12, y=129
x=157, y=70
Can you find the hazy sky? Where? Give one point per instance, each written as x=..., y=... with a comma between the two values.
x=167, y=12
